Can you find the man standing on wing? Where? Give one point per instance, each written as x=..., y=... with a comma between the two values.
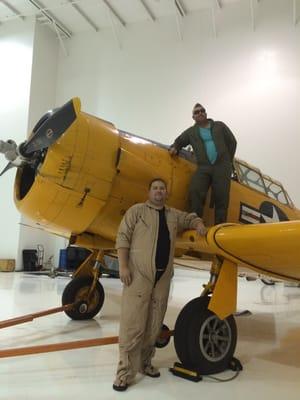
x=214, y=147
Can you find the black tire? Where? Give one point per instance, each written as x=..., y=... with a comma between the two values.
x=181, y=328
x=76, y=290
x=250, y=278
x=202, y=341
x=163, y=341
x=268, y=281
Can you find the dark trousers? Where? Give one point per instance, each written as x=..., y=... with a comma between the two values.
x=218, y=177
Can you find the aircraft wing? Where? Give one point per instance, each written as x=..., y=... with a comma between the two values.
x=271, y=248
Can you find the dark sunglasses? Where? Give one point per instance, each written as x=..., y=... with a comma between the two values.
x=199, y=110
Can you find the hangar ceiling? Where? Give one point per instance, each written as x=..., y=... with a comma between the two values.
x=70, y=17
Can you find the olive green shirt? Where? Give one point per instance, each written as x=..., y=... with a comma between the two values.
x=222, y=136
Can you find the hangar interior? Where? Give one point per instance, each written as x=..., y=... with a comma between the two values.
x=143, y=64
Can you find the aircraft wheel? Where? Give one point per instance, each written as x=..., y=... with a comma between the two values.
x=77, y=291
x=268, y=281
x=182, y=325
x=203, y=341
x=163, y=341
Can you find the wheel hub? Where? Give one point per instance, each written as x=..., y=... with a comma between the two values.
x=215, y=338
x=212, y=337
x=87, y=302
x=83, y=308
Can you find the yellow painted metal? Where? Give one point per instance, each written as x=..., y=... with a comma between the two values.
x=93, y=174
x=56, y=207
x=271, y=249
x=243, y=194
x=139, y=161
x=240, y=193
x=91, y=241
x=86, y=268
x=191, y=241
x=75, y=179
x=223, y=300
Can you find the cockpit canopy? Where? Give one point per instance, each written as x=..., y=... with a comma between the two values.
x=252, y=177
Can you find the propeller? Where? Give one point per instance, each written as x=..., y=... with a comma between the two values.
x=8, y=166
x=49, y=129
x=9, y=148
x=46, y=132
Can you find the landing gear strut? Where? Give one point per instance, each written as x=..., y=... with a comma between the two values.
x=85, y=291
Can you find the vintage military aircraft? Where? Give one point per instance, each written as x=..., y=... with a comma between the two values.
x=76, y=177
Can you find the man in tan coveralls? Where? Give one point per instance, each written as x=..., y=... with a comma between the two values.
x=145, y=244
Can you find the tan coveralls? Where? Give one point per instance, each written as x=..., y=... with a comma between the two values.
x=144, y=303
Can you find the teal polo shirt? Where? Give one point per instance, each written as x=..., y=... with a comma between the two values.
x=210, y=147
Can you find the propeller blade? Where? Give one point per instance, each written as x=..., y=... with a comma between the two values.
x=50, y=128
x=8, y=166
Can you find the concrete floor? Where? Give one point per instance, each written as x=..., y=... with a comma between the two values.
x=268, y=344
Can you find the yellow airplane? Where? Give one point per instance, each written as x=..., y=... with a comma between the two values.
x=76, y=177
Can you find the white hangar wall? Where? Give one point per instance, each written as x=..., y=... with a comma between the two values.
x=16, y=46
x=28, y=68
x=42, y=99
x=249, y=78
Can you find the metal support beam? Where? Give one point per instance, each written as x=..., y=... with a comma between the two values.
x=252, y=14
x=84, y=16
x=114, y=28
x=179, y=17
x=179, y=27
x=180, y=8
x=149, y=12
x=114, y=12
x=51, y=17
x=13, y=9
x=219, y=4
x=60, y=39
x=295, y=20
x=213, y=17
